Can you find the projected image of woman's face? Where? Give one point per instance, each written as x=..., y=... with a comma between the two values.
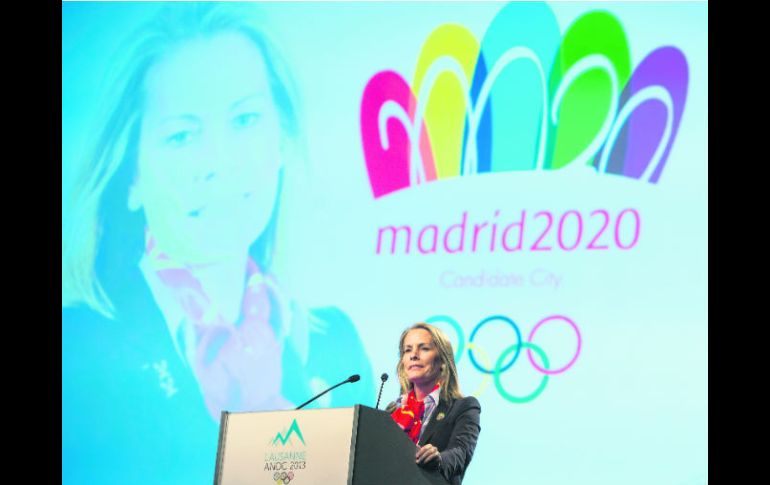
x=209, y=155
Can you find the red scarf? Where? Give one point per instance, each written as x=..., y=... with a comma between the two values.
x=409, y=415
x=237, y=364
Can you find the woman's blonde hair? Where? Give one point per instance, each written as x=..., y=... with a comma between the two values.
x=450, y=386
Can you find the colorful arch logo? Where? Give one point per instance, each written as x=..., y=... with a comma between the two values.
x=525, y=98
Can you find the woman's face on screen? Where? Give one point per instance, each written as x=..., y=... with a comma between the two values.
x=209, y=155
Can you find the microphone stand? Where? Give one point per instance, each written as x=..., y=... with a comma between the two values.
x=353, y=378
x=383, y=378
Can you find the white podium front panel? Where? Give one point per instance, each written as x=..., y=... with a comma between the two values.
x=282, y=447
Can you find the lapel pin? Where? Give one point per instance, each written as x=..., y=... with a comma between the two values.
x=440, y=416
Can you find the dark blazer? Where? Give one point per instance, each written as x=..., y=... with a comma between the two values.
x=453, y=429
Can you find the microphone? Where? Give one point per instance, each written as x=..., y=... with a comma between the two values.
x=383, y=378
x=353, y=378
x=391, y=407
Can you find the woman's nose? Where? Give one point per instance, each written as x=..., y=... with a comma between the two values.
x=208, y=164
x=214, y=156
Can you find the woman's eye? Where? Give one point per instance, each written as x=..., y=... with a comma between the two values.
x=180, y=138
x=245, y=119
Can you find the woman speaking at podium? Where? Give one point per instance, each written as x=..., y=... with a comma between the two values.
x=431, y=410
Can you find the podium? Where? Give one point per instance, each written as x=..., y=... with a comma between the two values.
x=354, y=446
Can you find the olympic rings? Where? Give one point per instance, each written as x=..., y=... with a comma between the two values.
x=518, y=348
x=498, y=371
x=577, y=352
x=501, y=366
x=487, y=378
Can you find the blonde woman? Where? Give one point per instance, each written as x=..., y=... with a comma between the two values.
x=433, y=413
